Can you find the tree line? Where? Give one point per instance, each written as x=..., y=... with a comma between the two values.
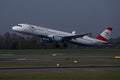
x=15, y=41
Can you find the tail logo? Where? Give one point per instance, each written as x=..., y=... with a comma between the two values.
x=105, y=35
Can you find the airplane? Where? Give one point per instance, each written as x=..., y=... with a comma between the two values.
x=64, y=37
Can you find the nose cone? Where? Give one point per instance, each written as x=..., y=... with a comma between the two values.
x=14, y=28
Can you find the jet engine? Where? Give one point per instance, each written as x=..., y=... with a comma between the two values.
x=55, y=38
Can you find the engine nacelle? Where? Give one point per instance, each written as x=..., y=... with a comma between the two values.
x=57, y=38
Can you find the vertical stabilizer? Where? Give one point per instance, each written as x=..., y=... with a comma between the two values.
x=105, y=35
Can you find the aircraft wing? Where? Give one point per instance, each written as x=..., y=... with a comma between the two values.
x=74, y=36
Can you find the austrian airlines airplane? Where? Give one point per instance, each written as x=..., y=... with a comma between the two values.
x=65, y=37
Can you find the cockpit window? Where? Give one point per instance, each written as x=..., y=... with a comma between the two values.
x=19, y=25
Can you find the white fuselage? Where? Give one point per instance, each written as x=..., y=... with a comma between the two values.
x=47, y=33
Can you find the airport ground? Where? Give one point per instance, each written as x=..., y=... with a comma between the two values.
x=60, y=64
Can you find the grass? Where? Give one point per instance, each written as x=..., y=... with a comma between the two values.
x=61, y=75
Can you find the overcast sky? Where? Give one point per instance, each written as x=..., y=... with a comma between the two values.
x=66, y=15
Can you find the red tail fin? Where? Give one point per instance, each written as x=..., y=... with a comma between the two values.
x=105, y=35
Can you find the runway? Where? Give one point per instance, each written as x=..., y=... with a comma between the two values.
x=45, y=62
x=81, y=68
x=48, y=58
